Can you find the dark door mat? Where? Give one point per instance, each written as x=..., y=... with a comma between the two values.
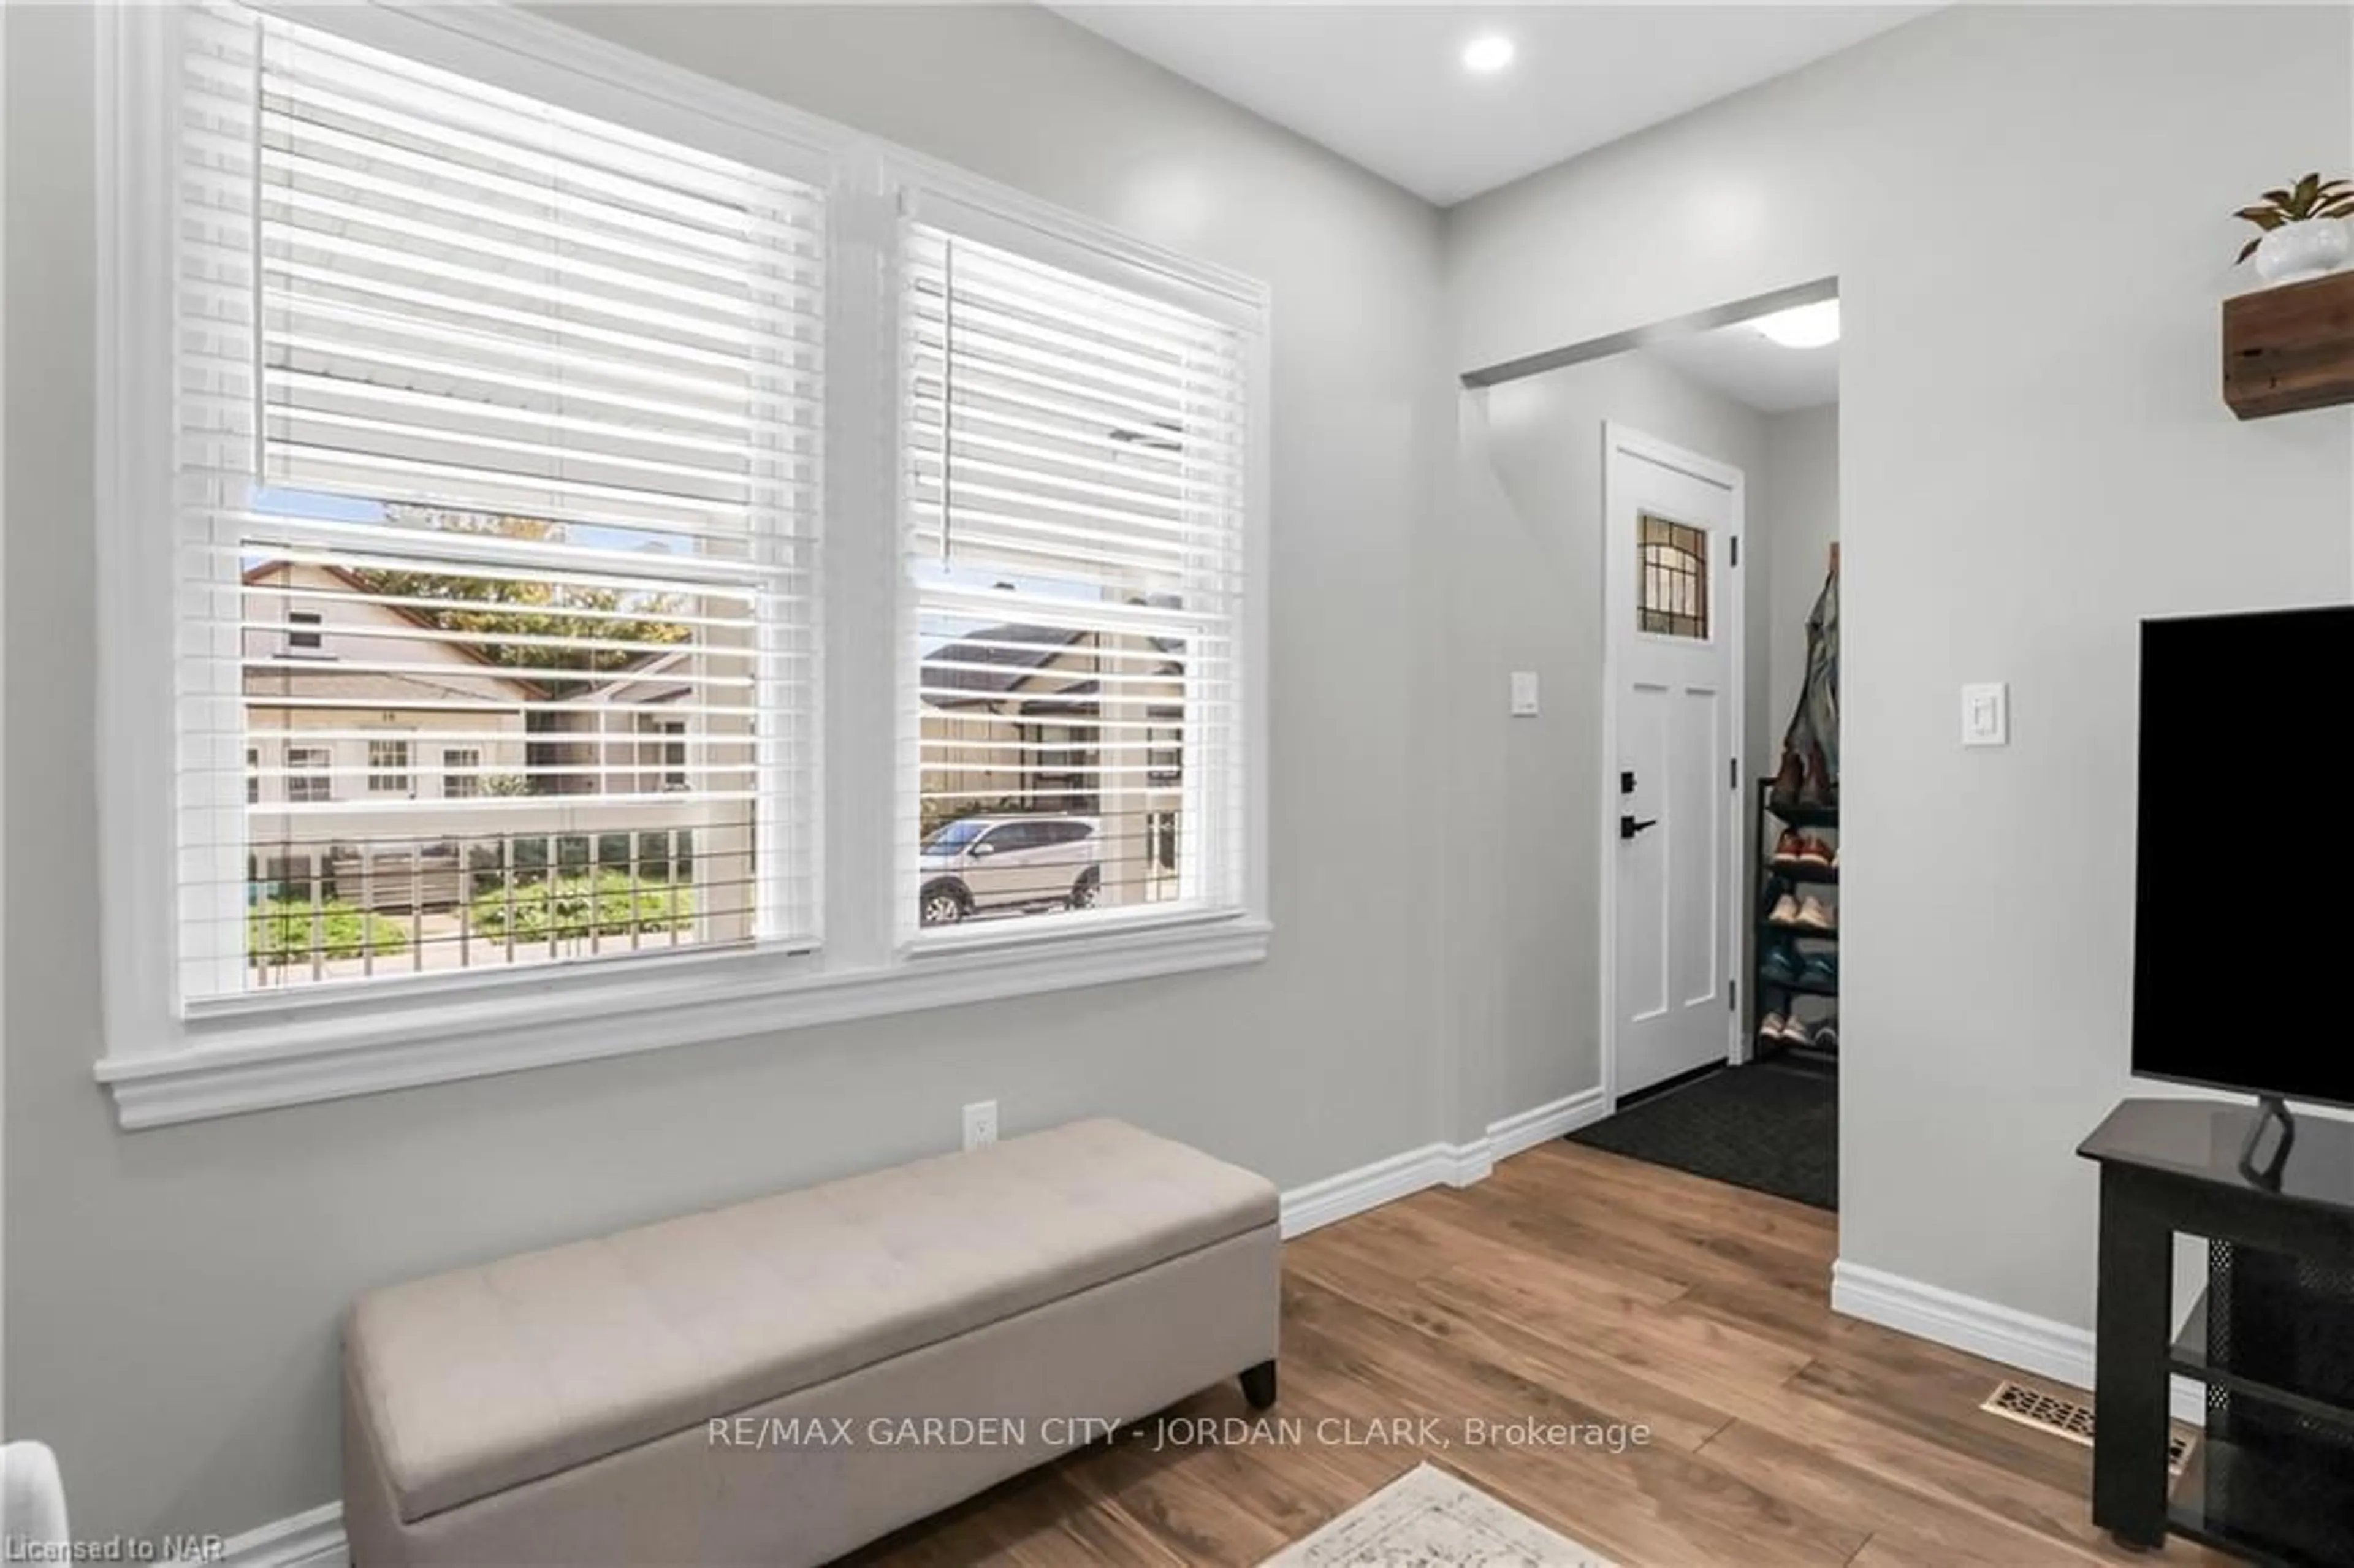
x=1772, y=1127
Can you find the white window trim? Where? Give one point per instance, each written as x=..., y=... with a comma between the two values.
x=271, y=1050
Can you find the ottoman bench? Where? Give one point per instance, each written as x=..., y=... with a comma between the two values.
x=783, y=1380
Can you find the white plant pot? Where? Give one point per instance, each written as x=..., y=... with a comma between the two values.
x=2296, y=251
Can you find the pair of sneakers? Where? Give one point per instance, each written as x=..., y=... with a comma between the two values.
x=1789, y=1029
x=1794, y=848
x=1784, y=964
x=1802, y=914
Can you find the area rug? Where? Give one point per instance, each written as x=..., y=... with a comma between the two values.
x=1772, y=1127
x=1427, y=1517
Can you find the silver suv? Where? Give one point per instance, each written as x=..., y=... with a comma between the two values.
x=1009, y=863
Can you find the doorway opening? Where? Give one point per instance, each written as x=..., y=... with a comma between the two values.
x=1720, y=857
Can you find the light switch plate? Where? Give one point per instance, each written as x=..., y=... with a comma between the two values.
x=1524, y=693
x=1985, y=714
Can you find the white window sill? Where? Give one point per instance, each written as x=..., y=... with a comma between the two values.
x=297, y=1055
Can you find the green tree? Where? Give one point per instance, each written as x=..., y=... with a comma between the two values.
x=496, y=609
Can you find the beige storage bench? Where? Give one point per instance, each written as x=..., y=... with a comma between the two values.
x=784, y=1380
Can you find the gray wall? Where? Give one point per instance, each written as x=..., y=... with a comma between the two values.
x=2033, y=456
x=1801, y=520
x=1529, y=577
x=172, y=1294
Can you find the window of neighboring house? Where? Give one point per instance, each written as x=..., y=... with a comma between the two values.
x=461, y=773
x=1164, y=754
x=252, y=776
x=310, y=775
x=1063, y=752
x=1075, y=452
x=674, y=754
x=303, y=635
x=387, y=768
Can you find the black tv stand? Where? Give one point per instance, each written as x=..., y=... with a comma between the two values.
x=2272, y=1478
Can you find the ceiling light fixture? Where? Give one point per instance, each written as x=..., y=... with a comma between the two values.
x=1488, y=54
x=1805, y=326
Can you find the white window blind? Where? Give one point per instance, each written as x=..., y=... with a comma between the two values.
x=1072, y=457
x=499, y=427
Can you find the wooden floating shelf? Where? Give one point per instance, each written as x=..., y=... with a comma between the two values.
x=2290, y=348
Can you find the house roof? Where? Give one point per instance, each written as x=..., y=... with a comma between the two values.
x=366, y=688
x=642, y=669
x=974, y=670
x=470, y=652
x=992, y=662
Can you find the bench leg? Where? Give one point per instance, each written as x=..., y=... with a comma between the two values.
x=1258, y=1385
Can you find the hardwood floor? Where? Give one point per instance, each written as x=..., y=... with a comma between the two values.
x=1583, y=1289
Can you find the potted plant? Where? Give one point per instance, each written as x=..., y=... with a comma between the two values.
x=2303, y=235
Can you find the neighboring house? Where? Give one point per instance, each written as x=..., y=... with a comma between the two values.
x=399, y=710
x=1012, y=715
x=616, y=737
x=349, y=700
x=1014, y=719
x=368, y=713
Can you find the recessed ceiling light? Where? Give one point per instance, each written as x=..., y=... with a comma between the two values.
x=1805, y=327
x=1489, y=53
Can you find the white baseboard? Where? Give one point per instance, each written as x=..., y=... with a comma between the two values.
x=1320, y=1202
x=1399, y=1176
x=1531, y=1128
x=312, y=1540
x=2061, y=1351
x=316, y=1538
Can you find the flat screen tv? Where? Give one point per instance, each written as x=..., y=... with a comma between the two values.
x=2243, y=914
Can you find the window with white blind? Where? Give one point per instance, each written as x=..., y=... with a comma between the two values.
x=499, y=429
x=593, y=559
x=1073, y=453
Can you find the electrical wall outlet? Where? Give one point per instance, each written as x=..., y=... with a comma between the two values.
x=980, y=1123
x=1524, y=693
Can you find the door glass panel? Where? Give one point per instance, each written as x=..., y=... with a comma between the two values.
x=1671, y=578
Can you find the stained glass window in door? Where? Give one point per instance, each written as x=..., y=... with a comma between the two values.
x=1671, y=588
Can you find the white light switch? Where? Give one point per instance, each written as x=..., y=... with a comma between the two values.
x=1524, y=693
x=1985, y=714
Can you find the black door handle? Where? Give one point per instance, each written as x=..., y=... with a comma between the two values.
x=1628, y=826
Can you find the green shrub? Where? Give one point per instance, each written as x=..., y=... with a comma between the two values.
x=286, y=930
x=571, y=907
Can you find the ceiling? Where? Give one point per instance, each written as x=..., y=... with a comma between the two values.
x=1748, y=367
x=1384, y=85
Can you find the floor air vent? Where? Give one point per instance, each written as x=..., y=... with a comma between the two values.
x=2063, y=1417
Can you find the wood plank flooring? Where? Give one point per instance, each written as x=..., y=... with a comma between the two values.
x=1587, y=1290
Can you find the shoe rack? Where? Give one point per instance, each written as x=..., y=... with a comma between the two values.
x=1814, y=998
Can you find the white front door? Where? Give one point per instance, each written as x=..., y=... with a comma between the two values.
x=1672, y=522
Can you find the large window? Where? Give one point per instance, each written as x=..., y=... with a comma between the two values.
x=1073, y=453
x=493, y=389
x=521, y=434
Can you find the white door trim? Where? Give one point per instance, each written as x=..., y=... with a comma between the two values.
x=1616, y=438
